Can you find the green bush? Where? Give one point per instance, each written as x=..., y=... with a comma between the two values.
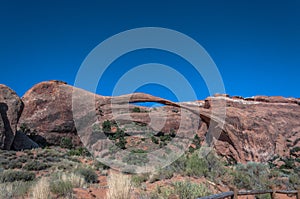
x=100, y=166
x=79, y=152
x=136, y=110
x=137, y=180
x=52, y=159
x=289, y=163
x=252, y=176
x=165, y=138
x=15, y=189
x=154, y=140
x=61, y=188
x=196, y=141
x=293, y=151
x=179, y=165
x=4, y=162
x=196, y=166
x=106, y=126
x=136, y=157
x=14, y=165
x=12, y=176
x=121, y=141
x=118, y=137
x=216, y=168
x=188, y=190
x=166, y=173
x=22, y=159
x=35, y=166
x=184, y=190
x=89, y=175
x=66, y=142
x=294, y=180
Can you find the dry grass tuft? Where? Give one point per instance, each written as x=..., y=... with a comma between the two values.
x=119, y=186
x=14, y=189
x=42, y=189
x=76, y=180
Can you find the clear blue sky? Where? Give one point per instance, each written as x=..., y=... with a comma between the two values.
x=255, y=44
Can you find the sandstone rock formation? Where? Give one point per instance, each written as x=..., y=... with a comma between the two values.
x=48, y=112
x=258, y=128
x=11, y=108
x=254, y=129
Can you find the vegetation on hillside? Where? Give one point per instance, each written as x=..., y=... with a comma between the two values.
x=54, y=172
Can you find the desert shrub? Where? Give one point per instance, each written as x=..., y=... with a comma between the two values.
x=61, y=188
x=106, y=126
x=9, y=153
x=73, y=159
x=4, y=162
x=42, y=189
x=193, y=165
x=119, y=186
x=293, y=151
x=31, y=157
x=11, y=158
x=294, y=180
x=100, y=166
x=165, y=138
x=136, y=157
x=252, y=176
x=154, y=140
x=66, y=142
x=184, y=190
x=119, y=138
x=188, y=190
x=136, y=110
x=14, y=165
x=52, y=159
x=35, y=166
x=166, y=173
x=196, y=166
x=22, y=159
x=196, y=141
x=76, y=180
x=42, y=154
x=179, y=165
x=289, y=163
x=88, y=174
x=216, y=168
x=79, y=152
x=62, y=184
x=138, y=179
x=65, y=166
x=96, y=128
x=14, y=189
x=12, y=176
x=28, y=152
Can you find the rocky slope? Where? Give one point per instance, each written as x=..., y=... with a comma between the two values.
x=251, y=129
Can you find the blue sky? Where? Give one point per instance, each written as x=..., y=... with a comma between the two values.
x=255, y=44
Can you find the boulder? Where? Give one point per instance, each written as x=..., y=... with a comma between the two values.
x=11, y=108
x=48, y=113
